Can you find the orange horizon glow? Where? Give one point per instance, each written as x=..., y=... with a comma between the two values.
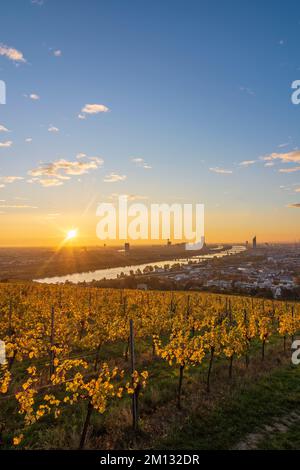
x=38, y=230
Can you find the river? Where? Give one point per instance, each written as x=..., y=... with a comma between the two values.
x=113, y=273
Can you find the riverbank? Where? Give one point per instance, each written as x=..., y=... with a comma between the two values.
x=39, y=263
x=163, y=265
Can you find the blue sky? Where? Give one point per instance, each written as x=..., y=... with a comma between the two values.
x=192, y=88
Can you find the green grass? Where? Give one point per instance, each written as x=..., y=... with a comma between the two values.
x=289, y=440
x=244, y=411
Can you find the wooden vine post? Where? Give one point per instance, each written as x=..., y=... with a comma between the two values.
x=135, y=394
x=52, y=342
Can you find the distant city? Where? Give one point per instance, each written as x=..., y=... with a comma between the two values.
x=267, y=270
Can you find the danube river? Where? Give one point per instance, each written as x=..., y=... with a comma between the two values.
x=113, y=273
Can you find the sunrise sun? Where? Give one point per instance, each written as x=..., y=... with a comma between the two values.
x=72, y=234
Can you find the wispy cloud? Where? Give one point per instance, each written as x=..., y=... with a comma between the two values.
x=141, y=163
x=11, y=53
x=289, y=157
x=57, y=53
x=269, y=164
x=55, y=173
x=46, y=182
x=289, y=170
x=53, y=129
x=296, y=205
x=3, y=128
x=6, y=144
x=247, y=162
x=130, y=197
x=247, y=90
x=285, y=144
x=81, y=155
x=16, y=206
x=114, y=178
x=38, y=2
x=9, y=180
x=28, y=140
x=222, y=171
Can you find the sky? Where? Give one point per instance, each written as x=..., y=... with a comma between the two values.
x=166, y=101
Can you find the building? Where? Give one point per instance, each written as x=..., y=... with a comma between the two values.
x=254, y=243
x=127, y=247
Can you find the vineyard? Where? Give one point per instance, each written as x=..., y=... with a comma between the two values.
x=101, y=368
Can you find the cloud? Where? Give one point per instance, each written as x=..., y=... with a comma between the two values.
x=247, y=90
x=294, y=206
x=130, y=197
x=61, y=168
x=3, y=128
x=285, y=144
x=28, y=139
x=6, y=144
x=53, y=129
x=289, y=170
x=221, y=171
x=114, y=178
x=10, y=179
x=141, y=163
x=46, y=182
x=81, y=155
x=269, y=164
x=247, y=162
x=54, y=173
x=93, y=109
x=57, y=53
x=289, y=157
x=38, y=2
x=34, y=97
x=11, y=53
x=16, y=206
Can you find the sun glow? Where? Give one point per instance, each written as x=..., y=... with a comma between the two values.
x=72, y=234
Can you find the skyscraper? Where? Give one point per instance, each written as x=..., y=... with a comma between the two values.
x=254, y=242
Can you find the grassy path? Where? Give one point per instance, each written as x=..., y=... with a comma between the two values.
x=249, y=418
x=275, y=432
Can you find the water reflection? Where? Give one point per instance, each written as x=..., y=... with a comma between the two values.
x=113, y=273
